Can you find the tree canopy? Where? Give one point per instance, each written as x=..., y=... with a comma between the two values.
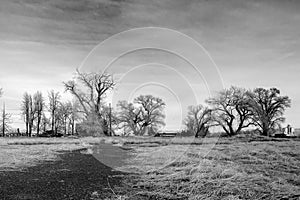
x=90, y=89
x=268, y=108
x=231, y=110
x=142, y=117
x=198, y=120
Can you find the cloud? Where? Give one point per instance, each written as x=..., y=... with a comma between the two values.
x=254, y=43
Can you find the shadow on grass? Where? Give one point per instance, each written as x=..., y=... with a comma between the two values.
x=73, y=176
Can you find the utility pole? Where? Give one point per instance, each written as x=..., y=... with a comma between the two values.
x=110, y=130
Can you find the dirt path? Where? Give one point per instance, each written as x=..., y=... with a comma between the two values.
x=73, y=176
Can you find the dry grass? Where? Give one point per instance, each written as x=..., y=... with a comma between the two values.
x=19, y=153
x=183, y=168
x=232, y=169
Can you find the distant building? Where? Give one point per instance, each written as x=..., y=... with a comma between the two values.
x=288, y=131
x=166, y=133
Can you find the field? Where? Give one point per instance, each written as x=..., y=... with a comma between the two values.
x=182, y=168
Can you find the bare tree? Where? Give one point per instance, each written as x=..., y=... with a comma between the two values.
x=198, y=120
x=32, y=110
x=268, y=108
x=94, y=89
x=5, y=121
x=32, y=115
x=54, y=99
x=152, y=113
x=65, y=111
x=59, y=121
x=143, y=116
x=5, y=118
x=74, y=115
x=45, y=122
x=38, y=109
x=129, y=117
x=26, y=107
x=110, y=117
x=231, y=110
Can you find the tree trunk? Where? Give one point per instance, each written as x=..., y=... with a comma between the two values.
x=202, y=132
x=30, y=129
x=65, y=122
x=27, y=124
x=44, y=126
x=231, y=131
x=38, y=126
x=52, y=124
x=72, y=125
x=265, y=132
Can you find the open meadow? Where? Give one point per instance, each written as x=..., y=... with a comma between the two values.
x=180, y=168
x=149, y=100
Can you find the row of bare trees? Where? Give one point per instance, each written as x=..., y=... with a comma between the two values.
x=232, y=109
x=235, y=109
x=142, y=116
x=34, y=108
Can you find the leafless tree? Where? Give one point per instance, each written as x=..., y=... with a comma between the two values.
x=54, y=101
x=65, y=111
x=59, y=126
x=32, y=110
x=5, y=118
x=198, y=120
x=74, y=115
x=268, y=108
x=26, y=110
x=39, y=104
x=129, y=117
x=5, y=121
x=90, y=89
x=231, y=111
x=152, y=112
x=45, y=123
x=32, y=116
x=110, y=116
x=143, y=116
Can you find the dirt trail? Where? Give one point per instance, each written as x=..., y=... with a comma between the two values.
x=73, y=176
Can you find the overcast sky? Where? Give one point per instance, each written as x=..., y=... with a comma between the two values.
x=253, y=43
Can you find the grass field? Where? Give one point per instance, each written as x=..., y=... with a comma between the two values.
x=232, y=169
x=183, y=168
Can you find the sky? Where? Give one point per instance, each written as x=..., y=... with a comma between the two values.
x=247, y=43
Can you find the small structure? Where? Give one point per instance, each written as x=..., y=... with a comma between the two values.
x=288, y=131
x=50, y=133
x=166, y=134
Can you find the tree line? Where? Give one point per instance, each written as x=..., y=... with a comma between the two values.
x=61, y=117
x=236, y=108
x=34, y=108
x=233, y=109
x=142, y=116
